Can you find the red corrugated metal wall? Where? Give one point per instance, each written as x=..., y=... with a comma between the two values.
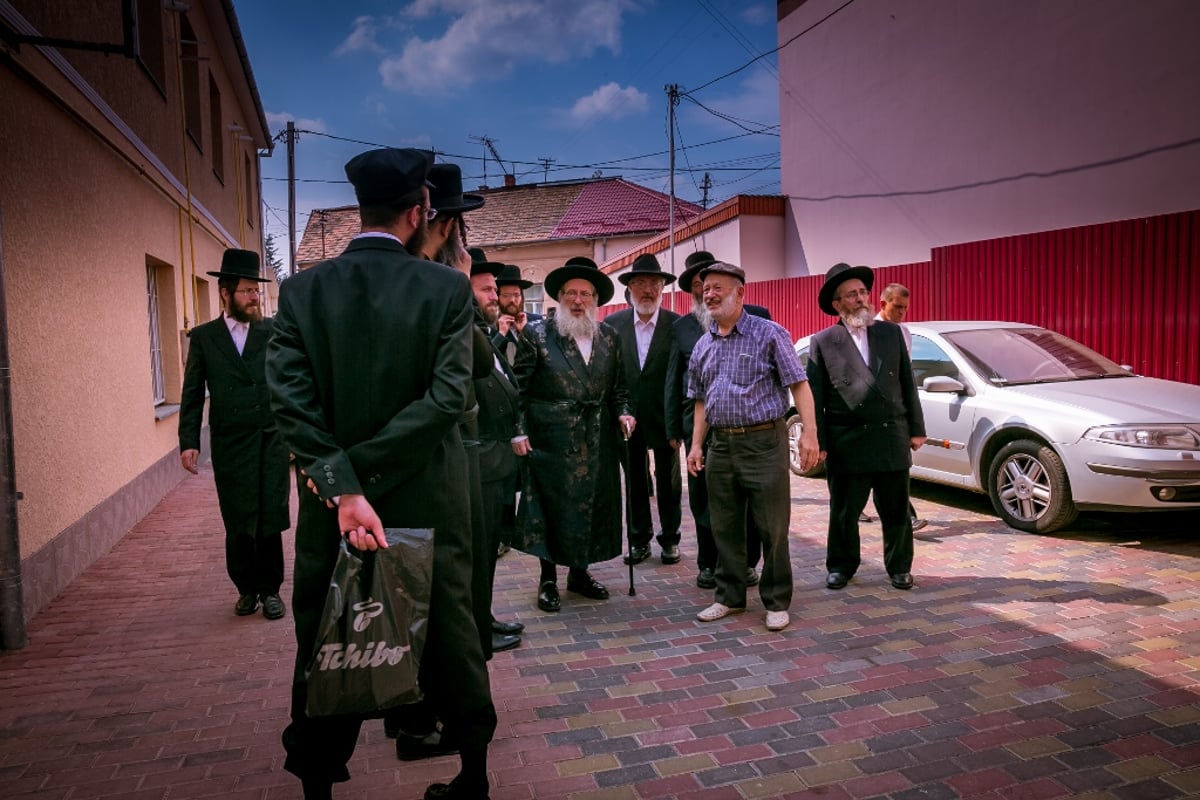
x=1128, y=289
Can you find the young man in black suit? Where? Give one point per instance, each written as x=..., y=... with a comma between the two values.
x=250, y=461
x=645, y=333
x=369, y=370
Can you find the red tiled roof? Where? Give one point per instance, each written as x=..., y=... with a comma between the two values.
x=524, y=214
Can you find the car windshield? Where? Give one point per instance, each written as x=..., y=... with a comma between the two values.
x=1008, y=356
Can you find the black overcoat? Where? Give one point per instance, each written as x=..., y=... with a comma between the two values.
x=249, y=458
x=570, y=510
x=866, y=415
x=647, y=382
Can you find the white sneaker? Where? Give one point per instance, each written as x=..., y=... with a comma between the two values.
x=717, y=611
x=777, y=620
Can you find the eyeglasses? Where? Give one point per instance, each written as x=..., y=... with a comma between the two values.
x=853, y=293
x=575, y=295
x=248, y=292
x=430, y=212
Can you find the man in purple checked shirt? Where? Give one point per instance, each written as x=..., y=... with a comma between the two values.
x=741, y=373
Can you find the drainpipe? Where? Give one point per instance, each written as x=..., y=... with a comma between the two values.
x=12, y=603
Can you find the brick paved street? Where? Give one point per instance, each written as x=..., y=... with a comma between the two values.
x=1019, y=667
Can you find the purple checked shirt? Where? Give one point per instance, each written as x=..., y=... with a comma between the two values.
x=743, y=378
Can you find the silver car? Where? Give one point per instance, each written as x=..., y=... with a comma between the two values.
x=1045, y=426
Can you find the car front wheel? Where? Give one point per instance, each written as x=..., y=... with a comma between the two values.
x=794, y=427
x=1029, y=489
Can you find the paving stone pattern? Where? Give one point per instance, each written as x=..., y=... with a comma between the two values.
x=1023, y=667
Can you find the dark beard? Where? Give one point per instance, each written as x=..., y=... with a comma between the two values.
x=417, y=241
x=241, y=314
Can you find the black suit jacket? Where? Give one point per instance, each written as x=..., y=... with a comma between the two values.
x=499, y=403
x=647, y=383
x=679, y=408
x=249, y=459
x=866, y=414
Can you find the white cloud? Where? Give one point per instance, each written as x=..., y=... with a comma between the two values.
x=487, y=39
x=610, y=101
x=758, y=14
x=279, y=121
x=361, y=39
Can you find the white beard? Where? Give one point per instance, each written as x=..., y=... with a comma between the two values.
x=700, y=312
x=646, y=309
x=575, y=327
x=860, y=319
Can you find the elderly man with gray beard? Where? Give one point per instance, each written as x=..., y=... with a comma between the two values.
x=869, y=421
x=575, y=408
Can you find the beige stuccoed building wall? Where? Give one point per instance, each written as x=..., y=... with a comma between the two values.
x=92, y=179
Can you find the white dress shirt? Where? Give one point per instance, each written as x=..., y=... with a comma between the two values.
x=644, y=332
x=239, y=331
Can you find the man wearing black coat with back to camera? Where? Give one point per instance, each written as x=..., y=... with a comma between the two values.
x=369, y=370
x=250, y=461
x=645, y=332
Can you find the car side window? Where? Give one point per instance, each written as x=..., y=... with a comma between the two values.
x=929, y=360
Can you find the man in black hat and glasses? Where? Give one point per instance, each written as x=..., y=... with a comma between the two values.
x=250, y=461
x=369, y=369
x=512, y=319
x=869, y=421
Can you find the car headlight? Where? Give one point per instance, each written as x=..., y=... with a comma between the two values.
x=1171, y=437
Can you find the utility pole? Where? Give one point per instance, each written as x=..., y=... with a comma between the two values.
x=546, y=162
x=672, y=101
x=705, y=185
x=291, y=168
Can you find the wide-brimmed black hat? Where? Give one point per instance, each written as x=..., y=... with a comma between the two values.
x=646, y=264
x=722, y=268
x=837, y=275
x=580, y=267
x=480, y=264
x=511, y=276
x=385, y=175
x=240, y=264
x=446, y=196
x=694, y=263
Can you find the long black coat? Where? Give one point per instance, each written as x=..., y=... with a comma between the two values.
x=250, y=461
x=370, y=369
x=570, y=509
x=866, y=416
x=647, y=382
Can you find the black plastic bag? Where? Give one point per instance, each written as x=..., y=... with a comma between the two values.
x=373, y=627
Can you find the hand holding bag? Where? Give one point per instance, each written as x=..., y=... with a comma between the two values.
x=373, y=627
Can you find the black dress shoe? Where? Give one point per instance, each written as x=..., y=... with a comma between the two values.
x=670, y=555
x=548, y=599
x=273, y=607
x=587, y=586
x=247, y=604
x=504, y=641
x=455, y=790
x=902, y=580
x=508, y=628
x=415, y=748
x=636, y=555
x=836, y=580
x=707, y=579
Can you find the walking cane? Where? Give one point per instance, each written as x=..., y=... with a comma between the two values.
x=628, y=508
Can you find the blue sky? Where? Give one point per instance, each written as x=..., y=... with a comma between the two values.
x=578, y=81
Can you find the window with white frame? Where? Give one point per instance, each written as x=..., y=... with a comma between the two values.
x=158, y=378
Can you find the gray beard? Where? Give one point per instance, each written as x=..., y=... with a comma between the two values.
x=700, y=312
x=860, y=319
x=577, y=327
x=646, y=309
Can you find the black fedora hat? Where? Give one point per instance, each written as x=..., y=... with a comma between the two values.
x=385, y=175
x=240, y=264
x=446, y=196
x=480, y=264
x=646, y=264
x=694, y=263
x=837, y=275
x=580, y=267
x=511, y=276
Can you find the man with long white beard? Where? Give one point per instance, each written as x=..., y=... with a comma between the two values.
x=741, y=375
x=645, y=334
x=869, y=421
x=679, y=411
x=575, y=408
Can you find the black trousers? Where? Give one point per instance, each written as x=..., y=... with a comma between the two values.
x=255, y=563
x=706, y=545
x=847, y=497
x=668, y=492
x=748, y=476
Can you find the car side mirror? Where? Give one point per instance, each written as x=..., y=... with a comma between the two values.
x=942, y=383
